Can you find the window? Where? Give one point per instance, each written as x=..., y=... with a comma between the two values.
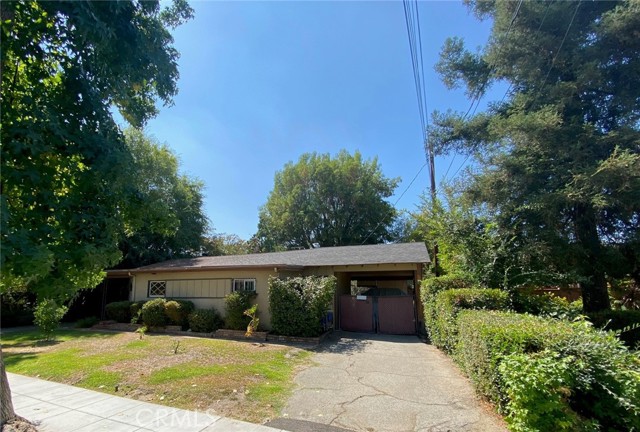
x=244, y=285
x=157, y=289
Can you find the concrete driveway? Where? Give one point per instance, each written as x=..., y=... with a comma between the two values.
x=385, y=383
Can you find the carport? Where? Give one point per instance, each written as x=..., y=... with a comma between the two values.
x=379, y=301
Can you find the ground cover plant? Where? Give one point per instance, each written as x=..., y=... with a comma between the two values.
x=242, y=380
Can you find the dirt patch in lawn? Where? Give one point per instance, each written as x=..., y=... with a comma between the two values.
x=243, y=380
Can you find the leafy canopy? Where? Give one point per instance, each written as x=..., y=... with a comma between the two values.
x=64, y=66
x=327, y=201
x=559, y=157
x=172, y=224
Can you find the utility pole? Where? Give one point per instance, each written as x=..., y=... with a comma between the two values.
x=432, y=177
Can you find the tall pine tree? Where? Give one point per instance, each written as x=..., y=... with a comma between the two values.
x=559, y=156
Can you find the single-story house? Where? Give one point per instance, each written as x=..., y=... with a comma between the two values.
x=377, y=289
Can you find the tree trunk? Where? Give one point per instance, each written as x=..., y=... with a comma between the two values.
x=6, y=405
x=595, y=296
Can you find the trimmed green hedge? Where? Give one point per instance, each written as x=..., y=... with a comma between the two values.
x=546, y=304
x=297, y=305
x=443, y=326
x=548, y=374
x=119, y=311
x=624, y=322
x=429, y=289
x=432, y=286
x=205, y=320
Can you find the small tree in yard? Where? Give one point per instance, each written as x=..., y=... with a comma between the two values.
x=298, y=305
x=47, y=317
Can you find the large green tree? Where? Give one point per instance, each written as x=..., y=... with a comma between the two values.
x=327, y=201
x=65, y=66
x=172, y=223
x=559, y=156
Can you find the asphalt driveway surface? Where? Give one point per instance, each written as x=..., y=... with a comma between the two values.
x=385, y=383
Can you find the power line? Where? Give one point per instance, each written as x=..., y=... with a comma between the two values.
x=478, y=96
x=396, y=202
x=544, y=17
x=476, y=99
x=462, y=164
x=561, y=45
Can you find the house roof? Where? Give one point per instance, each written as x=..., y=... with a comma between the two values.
x=396, y=253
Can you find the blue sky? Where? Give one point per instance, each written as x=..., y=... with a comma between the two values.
x=263, y=82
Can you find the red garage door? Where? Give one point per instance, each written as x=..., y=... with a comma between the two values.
x=396, y=315
x=356, y=315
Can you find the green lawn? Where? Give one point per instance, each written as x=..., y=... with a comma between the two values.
x=237, y=379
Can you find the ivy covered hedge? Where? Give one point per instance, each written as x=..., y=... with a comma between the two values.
x=297, y=305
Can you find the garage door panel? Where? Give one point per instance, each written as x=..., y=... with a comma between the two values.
x=396, y=315
x=356, y=315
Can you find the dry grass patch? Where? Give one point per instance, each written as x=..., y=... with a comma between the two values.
x=242, y=380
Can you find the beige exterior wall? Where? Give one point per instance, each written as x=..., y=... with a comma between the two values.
x=207, y=289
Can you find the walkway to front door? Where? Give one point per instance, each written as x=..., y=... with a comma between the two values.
x=387, y=383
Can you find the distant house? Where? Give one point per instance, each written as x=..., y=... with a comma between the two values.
x=386, y=275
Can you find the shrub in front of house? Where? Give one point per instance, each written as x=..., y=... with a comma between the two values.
x=118, y=311
x=135, y=310
x=205, y=320
x=153, y=313
x=47, y=316
x=235, y=304
x=178, y=311
x=626, y=323
x=548, y=374
x=443, y=327
x=297, y=305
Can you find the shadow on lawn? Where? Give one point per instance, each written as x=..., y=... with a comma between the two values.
x=34, y=338
x=15, y=358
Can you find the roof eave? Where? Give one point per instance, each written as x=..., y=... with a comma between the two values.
x=286, y=267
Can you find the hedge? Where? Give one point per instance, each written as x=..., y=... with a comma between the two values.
x=548, y=374
x=205, y=320
x=119, y=311
x=298, y=304
x=624, y=322
x=177, y=311
x=235, y=305
x=431, y=286
x=429, y=289
x=546, y=304
x=443, y=327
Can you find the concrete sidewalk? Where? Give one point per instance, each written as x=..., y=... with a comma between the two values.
x=62, y=408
